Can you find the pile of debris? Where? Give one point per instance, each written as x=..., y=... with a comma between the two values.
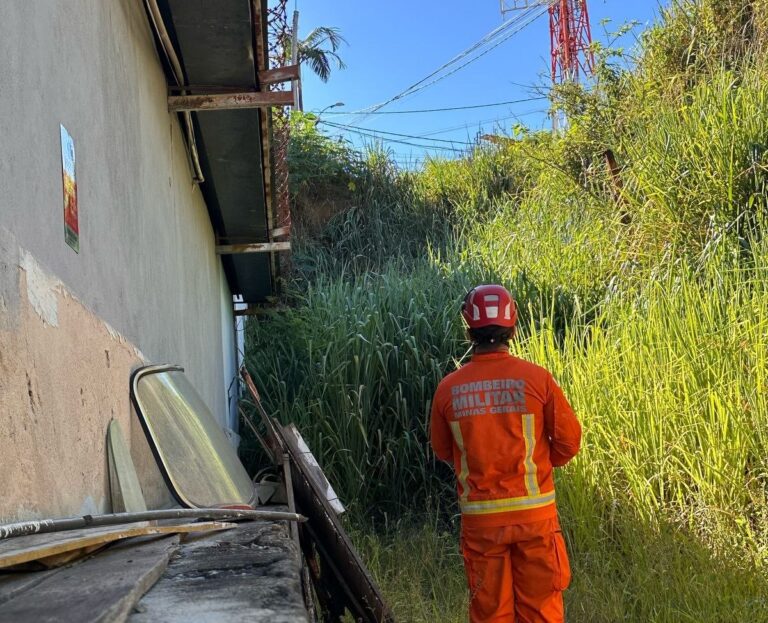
x=232, y=550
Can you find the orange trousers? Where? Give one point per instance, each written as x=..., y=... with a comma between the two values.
x=516, y=574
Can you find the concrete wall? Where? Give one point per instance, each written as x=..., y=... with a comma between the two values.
x=146, y=285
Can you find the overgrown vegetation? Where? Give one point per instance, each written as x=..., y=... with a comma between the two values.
x=644, y=287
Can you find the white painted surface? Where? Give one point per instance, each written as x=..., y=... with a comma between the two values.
x=42, y=290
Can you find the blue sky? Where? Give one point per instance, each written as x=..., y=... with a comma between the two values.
x=395, y=43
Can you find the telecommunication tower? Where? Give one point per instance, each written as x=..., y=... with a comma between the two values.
x=570, y=36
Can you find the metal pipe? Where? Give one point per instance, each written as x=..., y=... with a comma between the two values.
x=296, y=86
x=173, y=61
x=92, y=521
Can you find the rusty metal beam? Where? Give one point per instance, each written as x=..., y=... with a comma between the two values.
x=229, y=101
x=279, y=74
x=256, y=247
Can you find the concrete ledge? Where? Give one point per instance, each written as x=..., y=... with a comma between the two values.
x=248, y=574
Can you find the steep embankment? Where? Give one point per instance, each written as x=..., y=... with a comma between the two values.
x=645, y=289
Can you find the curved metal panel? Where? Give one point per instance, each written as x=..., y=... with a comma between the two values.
x=199, y=464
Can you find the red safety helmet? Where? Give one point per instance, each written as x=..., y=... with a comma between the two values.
x=487, y=306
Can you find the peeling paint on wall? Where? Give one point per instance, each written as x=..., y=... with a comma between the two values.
x=59, y=390
x=43, y=292
x=120, y=339
x=42, y=289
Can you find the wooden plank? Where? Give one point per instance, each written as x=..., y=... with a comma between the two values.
x=15, y=583
x=256, y=247
x=229, y=101
x=273, y=437
x=250, y=311
x=247, y=575
x=279, y=74
x=59, y=560
x=124, y=484
x=312, y=468
x=39, y=547
x=103, y=588
x=364, y=597
x=294, y=528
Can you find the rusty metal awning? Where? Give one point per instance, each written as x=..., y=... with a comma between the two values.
x=221, y=47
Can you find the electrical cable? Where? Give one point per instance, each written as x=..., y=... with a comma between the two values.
x=418, y=86
x=478, y=44
x=433, y=110
x=375, y=134
x=384, y=139
x=530, y=14
x=472, y=124
x=399, y=135
x=483, y=53
x=369, y=134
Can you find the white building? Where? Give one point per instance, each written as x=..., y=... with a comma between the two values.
x=153, y=277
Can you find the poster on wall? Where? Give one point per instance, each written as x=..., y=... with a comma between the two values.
x=71, y=229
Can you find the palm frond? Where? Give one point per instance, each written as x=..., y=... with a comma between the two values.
x=318, y=62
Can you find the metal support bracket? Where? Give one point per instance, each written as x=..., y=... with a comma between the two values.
x=278, y=75
x=256, y=247
x=230, y=101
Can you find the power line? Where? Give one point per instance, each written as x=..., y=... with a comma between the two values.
x=483, y=53
x=472, y=124
x=432, y=110
x=399, y=135
x=420, y=85
x=369, y=134
x=487, y=38
x=377, y=136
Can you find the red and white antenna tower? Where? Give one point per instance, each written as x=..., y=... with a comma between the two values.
x=570, y=36
x=571, y=39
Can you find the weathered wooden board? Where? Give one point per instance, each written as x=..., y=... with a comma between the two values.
x=278, y=75
x=350, y=577
x=312, y=468
x=250, y=574
x=59, y=560
x=40, y=547
x=100, y=589
x=15, y=583
x=124, y=486
x=364, y=597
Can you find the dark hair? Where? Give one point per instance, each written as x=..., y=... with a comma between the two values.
x=492, y=334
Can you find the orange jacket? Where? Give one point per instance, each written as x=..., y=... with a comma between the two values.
x=504, y=423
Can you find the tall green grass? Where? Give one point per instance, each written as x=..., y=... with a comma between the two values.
x=666, y=508
x=648, y=299
x=669, y=379
x=634, y=574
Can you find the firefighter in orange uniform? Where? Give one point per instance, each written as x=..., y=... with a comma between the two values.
x=505, y=424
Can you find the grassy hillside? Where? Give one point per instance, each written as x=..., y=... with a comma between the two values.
x=643, y=288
